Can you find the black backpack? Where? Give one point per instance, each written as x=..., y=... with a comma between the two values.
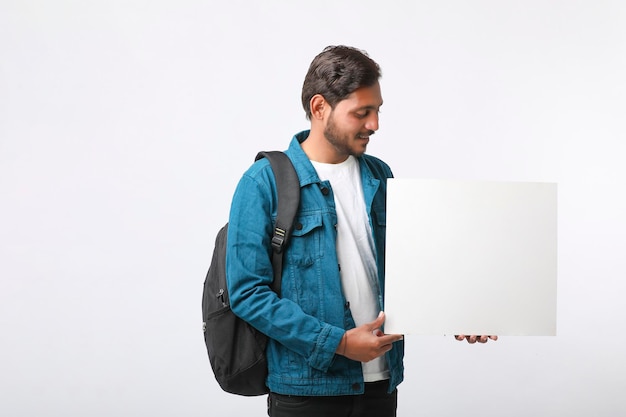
x=236, y=349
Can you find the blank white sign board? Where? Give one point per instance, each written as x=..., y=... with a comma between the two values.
x=471, y=257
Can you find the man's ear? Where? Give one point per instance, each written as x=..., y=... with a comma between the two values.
x=319, y=105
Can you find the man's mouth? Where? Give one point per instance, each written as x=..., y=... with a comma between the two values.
x=365, y=135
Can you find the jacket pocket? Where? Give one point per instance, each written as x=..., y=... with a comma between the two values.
x=305, y=246
x=380, y=216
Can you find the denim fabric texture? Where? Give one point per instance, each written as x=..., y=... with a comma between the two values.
x=306, y=323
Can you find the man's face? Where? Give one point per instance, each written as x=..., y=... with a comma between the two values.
x=353, y=120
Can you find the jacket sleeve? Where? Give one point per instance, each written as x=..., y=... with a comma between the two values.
x=249, y=274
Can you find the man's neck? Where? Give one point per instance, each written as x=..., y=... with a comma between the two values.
x=318, y=149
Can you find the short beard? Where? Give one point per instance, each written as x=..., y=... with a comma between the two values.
x=340, y=142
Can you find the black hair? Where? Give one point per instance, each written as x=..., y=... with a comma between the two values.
x=335, y=73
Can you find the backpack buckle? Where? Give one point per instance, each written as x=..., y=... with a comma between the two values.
x=278, y=239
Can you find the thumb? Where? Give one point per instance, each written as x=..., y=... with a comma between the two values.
x=378, y=322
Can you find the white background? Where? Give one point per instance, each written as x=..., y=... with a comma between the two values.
x=125, y=125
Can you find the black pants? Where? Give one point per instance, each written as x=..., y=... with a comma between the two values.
x=375, y=402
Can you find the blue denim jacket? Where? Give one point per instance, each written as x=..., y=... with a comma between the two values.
x=305, y=324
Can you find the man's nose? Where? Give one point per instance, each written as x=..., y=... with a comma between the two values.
x=372, y=122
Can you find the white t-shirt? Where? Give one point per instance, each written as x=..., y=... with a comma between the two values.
x=355, y=250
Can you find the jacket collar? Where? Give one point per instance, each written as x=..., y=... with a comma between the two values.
x=307, y=173
x=302, y=164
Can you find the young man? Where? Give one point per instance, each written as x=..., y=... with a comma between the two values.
x=327, y=352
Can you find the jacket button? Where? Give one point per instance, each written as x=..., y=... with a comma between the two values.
x=356, y=386
x=325, y=191
x=298, y=226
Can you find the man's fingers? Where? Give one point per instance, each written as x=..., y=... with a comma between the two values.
x=476, y=338
x=386, y=343
x=471, y=338
x=373, y=325
x=388, y=339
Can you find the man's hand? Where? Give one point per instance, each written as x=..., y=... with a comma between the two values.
x=475, y=338
x=367, y=341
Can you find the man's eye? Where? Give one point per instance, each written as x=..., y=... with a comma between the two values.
x=361, y=115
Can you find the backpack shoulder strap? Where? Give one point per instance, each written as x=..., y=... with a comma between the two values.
x=288, y=188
